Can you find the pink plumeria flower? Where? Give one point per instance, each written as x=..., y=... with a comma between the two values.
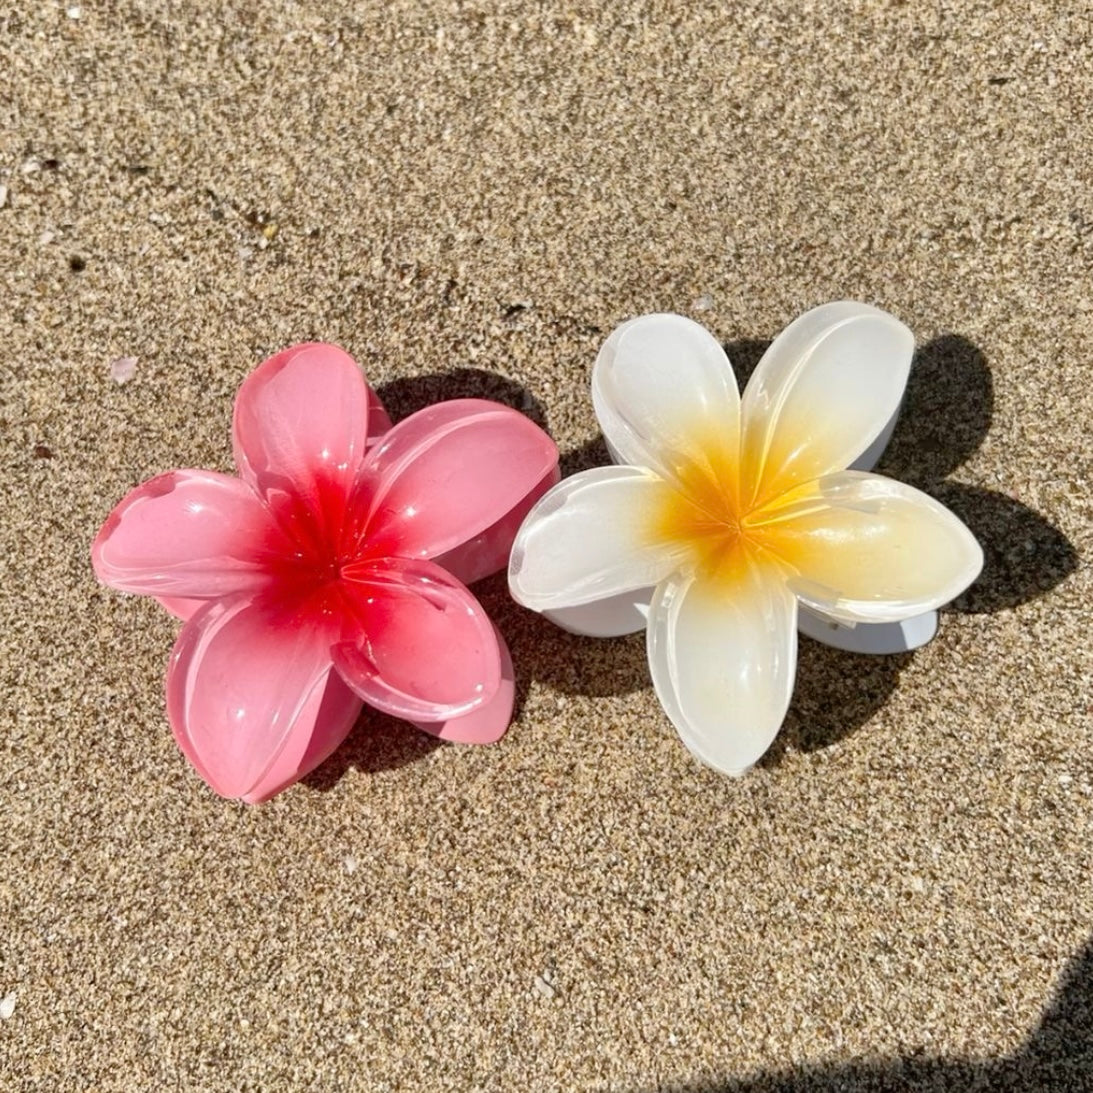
x=332, y=571
x=733, y=521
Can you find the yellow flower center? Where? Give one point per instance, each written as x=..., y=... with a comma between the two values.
x=710, y=511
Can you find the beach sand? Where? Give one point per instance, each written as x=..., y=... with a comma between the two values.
x=469, y=196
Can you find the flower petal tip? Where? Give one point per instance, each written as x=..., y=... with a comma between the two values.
x=662, y=383
x=488, y=723
x=425, y=649
x=300, y=424
x=590, y=538
x=188, y=533
x=253, y=703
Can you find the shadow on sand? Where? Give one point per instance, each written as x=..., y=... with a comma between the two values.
x=1056, y=1058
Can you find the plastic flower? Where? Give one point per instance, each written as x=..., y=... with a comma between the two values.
x=331, y=571
x=731, y=512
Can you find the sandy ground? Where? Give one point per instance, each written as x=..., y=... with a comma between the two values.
x=468, y=196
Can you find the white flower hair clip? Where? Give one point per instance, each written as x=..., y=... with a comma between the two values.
x=731, y=522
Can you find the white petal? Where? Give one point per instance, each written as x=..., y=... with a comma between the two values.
x=590, y=537
x=869, y=549
x=666, y=397
x=824, y=391
x=723, y=660
x=871, y=456
x=873, y=638
x=626, y=613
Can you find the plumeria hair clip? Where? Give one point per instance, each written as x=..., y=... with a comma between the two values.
x=729, y=522
x=332, y=571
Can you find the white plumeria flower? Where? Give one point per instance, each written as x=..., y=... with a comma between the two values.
x=731, y=521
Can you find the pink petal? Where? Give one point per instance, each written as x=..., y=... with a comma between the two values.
x=300, y=430
x=426, y=650
x=187, y=534
x=180, y=606
x=449, y=472
x=378, y=421
x=491, y=720
x=488, y=552
x=247, y=697
x=123, y=369
x=324, y=722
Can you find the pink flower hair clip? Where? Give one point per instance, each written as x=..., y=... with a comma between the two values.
x=332, y=572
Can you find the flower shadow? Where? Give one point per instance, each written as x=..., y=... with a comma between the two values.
x=1057, y=1055
x=946, y=415
x=570, y=663
x=375, y=743
x=402, y=397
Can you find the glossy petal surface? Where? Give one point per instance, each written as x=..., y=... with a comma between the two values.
x=666, y=398
x=186, y=534
x=300, y=431
x=323, y=722
x=723, y=662
x=448, y=473
x=379, y=421
x=487, y=723
x=593, y=536
x=826, y=388
x=241, y=689
x=425, y=649
x=611, y=617
x=488, y=552
x=869, y=549
x=180, y=606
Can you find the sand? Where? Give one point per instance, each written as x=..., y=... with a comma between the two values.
x=468, y=197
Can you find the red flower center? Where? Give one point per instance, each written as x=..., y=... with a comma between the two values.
x=313, y=540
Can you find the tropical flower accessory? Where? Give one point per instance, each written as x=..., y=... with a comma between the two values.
x=332, y=572
x=731, y=519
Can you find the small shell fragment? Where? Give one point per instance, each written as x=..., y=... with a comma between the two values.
x=544, y=987
x=123, y=369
